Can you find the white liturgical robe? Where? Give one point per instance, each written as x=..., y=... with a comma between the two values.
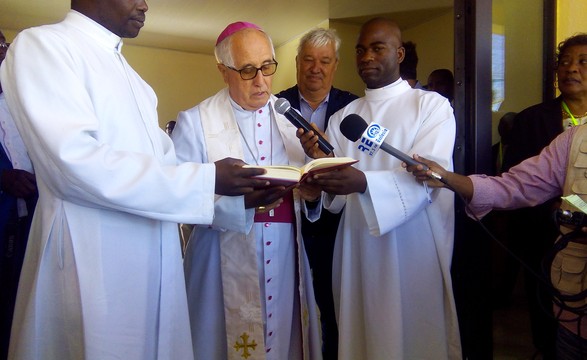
x=102, y=277
x=391, y=273
x=249, y=285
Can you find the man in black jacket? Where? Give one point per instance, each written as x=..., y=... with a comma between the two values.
x=316, y=99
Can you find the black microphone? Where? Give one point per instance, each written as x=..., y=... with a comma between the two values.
x=354, y=127
x=283, y=107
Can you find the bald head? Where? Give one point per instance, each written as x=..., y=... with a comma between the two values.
x=380, y=24
x=379, y=52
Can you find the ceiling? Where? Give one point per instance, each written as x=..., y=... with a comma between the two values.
x=193, y=25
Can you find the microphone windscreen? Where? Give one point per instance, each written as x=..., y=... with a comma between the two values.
x=352, y=127
x=282, y=105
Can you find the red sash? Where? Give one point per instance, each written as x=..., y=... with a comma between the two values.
x=284, y=213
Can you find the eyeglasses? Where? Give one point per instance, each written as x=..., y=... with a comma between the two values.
x=250, y=72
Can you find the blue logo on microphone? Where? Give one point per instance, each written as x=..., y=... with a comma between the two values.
x=373, y=130
x=372, y=138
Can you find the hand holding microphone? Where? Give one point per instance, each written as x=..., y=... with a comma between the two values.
x=372, y=136
x=427, y=170
x=283, y=107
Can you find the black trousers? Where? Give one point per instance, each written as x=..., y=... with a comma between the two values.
x=319, y=238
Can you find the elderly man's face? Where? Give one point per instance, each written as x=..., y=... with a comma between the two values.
x=316, y=67
x=125, y=18
x=250, y=47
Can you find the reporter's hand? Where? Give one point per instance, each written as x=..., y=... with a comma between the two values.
x=19, y=183
x=309, y=141
x=232, y=179
x=426, y=175
x=455, y=182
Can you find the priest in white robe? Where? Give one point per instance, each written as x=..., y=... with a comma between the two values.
x=102, y=276
x=391, y=273
x=248, y=281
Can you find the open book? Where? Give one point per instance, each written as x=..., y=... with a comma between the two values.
x=291, y=175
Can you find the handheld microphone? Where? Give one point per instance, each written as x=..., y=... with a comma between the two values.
x=354, y=127
x=283, y=107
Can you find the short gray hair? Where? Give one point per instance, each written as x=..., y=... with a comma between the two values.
x=319, y=37
x=223, y=51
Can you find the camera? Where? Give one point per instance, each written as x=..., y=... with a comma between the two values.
x=573, y=219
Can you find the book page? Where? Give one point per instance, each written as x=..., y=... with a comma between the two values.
x=287, y=174
x=279, y=174
x=576, y=202
x=324, y=163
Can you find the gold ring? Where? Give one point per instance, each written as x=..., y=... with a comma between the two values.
x=261, y=208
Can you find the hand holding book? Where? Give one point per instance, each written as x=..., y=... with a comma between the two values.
x=288, y=175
